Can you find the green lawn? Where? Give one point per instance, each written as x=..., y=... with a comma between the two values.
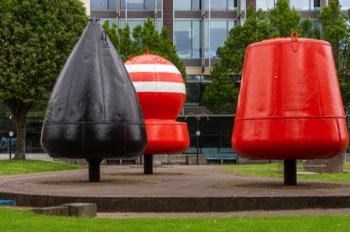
x=16, y=220
x=8, y=167
x=273, y=170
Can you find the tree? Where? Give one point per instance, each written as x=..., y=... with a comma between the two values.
x=36, y=37
x=222, y=94
x=309, y=29
x=336, y=30
x=143, y=38
x=283, y=19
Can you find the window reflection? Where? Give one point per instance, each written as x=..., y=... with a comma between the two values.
x=208, y=4
x=182, y=5
x=196, y=85
x=103, y=4
x=216, y=32
x=265, y=4
x=187, y=38
x=215, y=134
x=345, y=4
x=139, y=4
x=220, y=4
x=305, y=4
x=125, y=4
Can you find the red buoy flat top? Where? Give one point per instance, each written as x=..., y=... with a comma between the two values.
x=162, y=94
x=289, y=105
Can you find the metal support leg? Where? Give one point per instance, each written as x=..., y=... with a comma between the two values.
x=290, y=172
x=148, y=164
x=94, y=169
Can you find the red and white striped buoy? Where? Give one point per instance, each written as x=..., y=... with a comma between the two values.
x=162, y=94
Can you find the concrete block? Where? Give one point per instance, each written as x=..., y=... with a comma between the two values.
x=82, y=209
x=53, y=211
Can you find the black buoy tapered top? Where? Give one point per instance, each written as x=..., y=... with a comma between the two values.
x=93, y=111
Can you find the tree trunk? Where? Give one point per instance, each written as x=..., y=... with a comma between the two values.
x=19, y=110
x=21, y=137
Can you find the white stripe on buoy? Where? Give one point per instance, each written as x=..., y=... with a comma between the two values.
x=160, y=87
x=164, y=68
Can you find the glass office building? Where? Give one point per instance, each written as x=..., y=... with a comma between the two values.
x=197, y=28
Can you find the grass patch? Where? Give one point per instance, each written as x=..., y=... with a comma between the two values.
x=257, y=172
x=8, y=167
x=272, y=166
x=272, y=170
x=17, y=220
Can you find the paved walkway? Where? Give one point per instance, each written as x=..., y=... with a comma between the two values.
x=173, y=188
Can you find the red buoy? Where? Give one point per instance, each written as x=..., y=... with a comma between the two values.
x=162, y=94
x=289, y=105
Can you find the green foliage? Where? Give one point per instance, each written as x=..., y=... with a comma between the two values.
x=19, y=220
x=309, y=29
x=283, y=19
x=221, y=95
x=336, y=30
x=36, y=37
x=143, y=38
x=8, y=167
x=345, y=91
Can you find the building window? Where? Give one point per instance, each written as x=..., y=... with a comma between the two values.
x=220, y=4
x=305, y=5
x=103, y=4
x=209, y=4
x=195, y=88
x=33, y=128
x=216, y=32
x=187, y=4
x=133, y=23
x=125, y=4
x=215, y=135
x=187, y=38
x=140, y=4
x=265, y=4
x=317, y=4
x=149, y=5
x=132, y=4
x=345, y=4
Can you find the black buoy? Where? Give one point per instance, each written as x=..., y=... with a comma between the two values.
x=290, y=172
x=93, y=112
x=148, y=164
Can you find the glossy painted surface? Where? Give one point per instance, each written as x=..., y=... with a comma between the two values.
x=162, y=94
x=159, y=85
x=289, y=105
x=93, y=111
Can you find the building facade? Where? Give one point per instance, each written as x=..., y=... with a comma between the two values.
x=197, y=28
